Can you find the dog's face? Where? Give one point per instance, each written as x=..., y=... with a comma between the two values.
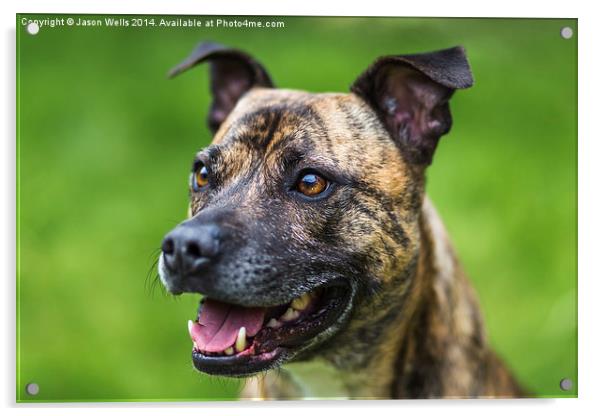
x=304, y=209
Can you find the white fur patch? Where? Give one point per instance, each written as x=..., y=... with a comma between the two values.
x=162, y=273
x=444, y=256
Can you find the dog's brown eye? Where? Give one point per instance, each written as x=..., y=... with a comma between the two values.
x=201, y=178
x=311, y=184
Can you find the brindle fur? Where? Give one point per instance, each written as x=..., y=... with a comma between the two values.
x=415, y=329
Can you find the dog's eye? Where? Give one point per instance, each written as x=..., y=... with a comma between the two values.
x=200, y=178
x=311, y=184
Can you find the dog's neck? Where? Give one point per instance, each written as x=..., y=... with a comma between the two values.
x=415, y=349
x=404, y=351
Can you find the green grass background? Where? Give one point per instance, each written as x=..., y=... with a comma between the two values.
x=105, y=145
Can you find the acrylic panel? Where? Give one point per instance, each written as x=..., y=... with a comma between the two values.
x=257, y=225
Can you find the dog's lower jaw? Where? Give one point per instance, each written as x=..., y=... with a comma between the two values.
x=432, y=347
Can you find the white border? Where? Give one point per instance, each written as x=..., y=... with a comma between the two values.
x=590, y=207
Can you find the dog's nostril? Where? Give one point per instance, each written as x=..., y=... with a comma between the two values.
x=188, y=247
x=168, y=246
x=192, y=249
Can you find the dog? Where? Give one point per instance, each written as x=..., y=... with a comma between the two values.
x=313, y=244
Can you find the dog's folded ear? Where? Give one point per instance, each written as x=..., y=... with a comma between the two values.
x=410, y=93
x=232, y=72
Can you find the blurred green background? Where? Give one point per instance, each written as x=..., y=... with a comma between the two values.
x=105, y=144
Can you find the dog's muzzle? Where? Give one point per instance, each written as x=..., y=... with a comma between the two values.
x=246, y=325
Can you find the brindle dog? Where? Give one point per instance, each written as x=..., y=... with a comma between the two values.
x=311, y=239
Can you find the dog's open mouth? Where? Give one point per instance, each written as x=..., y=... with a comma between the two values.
x=236, y=341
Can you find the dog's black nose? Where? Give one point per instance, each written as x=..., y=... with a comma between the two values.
x=189, y=247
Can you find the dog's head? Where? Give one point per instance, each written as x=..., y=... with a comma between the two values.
x=304, y=209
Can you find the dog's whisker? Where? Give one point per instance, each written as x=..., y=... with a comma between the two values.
x=154, y=253
x=152, y=277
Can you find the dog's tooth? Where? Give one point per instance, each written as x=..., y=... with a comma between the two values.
x=189, y=326
x=196, y=347
x=290, y=315
x=229, y=351
x=241, y=340
x=273, y=323
x=301, y=302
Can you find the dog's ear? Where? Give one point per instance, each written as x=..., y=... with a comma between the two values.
x=410, y=93
x=232, y=73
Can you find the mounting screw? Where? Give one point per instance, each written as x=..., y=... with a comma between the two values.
x=566, y=384
x=32, y=389
x=566, y=32
x=33, y=28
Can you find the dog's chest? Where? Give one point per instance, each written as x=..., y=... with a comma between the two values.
x=313, y=380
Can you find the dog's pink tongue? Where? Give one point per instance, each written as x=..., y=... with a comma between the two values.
x=219, y=323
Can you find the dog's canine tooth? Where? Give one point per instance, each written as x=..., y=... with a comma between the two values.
x=229, y=351
x=290, y=315
x=301, y=302
x=189, y=326
x=241, y=340
x=273, y=323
